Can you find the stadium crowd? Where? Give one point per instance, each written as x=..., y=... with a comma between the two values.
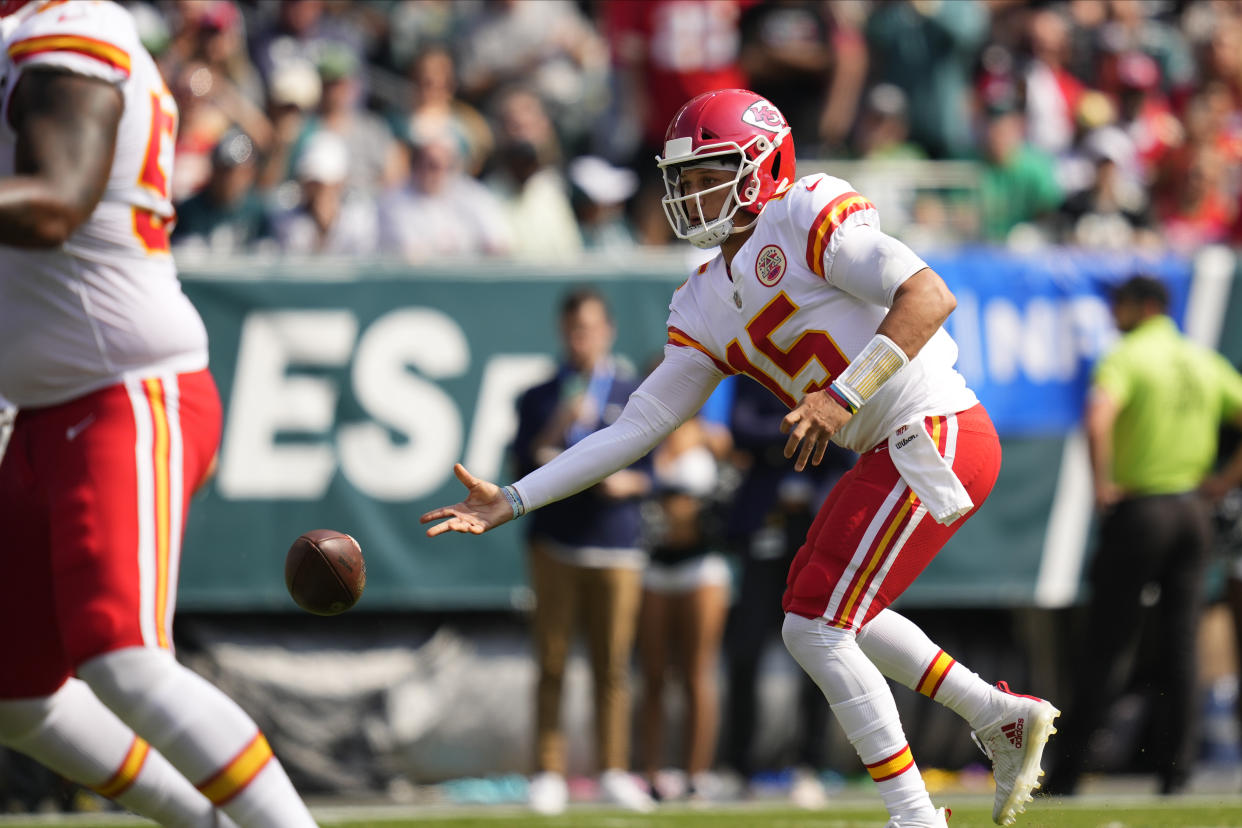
x=431, y=128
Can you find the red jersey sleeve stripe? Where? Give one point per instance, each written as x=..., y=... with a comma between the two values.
x=826, y=223
x=100, y=50
x=678, y=337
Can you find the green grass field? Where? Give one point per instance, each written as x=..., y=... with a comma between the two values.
x=1220, y=811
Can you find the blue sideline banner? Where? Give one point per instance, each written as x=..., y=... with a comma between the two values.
x=1030, y=326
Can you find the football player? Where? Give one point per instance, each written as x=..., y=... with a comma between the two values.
x=844, y=324
x=118, y=425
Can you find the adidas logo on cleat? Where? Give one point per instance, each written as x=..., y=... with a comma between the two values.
x=1013, y=732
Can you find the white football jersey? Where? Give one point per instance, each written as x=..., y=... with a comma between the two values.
x=783, y=318
x=107, y=303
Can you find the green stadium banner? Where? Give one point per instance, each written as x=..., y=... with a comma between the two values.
x=351, y=390
x=348, y=398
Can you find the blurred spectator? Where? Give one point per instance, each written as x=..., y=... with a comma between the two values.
x=300, y=31
x=417, y=26
x=883, y=127
x=599, y=192
x=435, y=108
x=226, y=217
x=1018, y=185
x=928, y=49
x=213, y=32
x=1113, y=211
x=373, y=153
x=668, y=51
x=441, y=211
x=520, y=115
x=1144, y=112
x=215, y=85
x=664, y=53
x=200, y=126
x=294, y=90
x=1194, y=192
x=551, y=46
x=1076, y=164
x=1085, y=18
x=685, y=602
x=330, y=219
x=431, y=66
x=1132, y=29
x=585, y=556
x=1052, y=92
x=809, y=58
x=1221, y=59
x=1196, y=209
x=528, y=183
x=154, y=30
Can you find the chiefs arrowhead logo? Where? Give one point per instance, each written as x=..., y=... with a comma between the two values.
x=763, y=115
x=770, y=265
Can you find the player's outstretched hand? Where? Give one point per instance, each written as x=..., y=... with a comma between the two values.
x=811, y=425
x=485, y=507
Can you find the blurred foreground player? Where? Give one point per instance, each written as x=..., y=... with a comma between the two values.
x=843, y=324
x=118, y=425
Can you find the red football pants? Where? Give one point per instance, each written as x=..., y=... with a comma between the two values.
x=873, y=536
x=93, y=500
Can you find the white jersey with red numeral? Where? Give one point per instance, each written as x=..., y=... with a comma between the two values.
x=107, y=304
x=786, y=320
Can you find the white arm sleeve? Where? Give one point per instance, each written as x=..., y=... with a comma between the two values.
x=670, y=395
x=871, y=265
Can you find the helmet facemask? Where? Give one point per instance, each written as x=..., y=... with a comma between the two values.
x=742, y=190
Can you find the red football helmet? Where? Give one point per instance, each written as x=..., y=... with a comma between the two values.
x=7, y=7
x=732, y=129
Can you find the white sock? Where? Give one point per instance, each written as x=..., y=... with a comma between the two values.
x=863, y=704
x=72, y=733
x=904, y=653
x=203, y=733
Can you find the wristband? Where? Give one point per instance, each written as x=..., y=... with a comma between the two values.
x=840, y=399
x=515, y=501
x=875, y=365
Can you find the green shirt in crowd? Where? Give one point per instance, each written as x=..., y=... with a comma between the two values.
x=1172, y=396
x=1023, y=188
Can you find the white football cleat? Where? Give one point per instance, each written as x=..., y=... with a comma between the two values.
x=617, y=787
x=548, y=794
x=1015, y=743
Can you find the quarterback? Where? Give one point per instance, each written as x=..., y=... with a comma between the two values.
x=843, y=323
x=117, y=425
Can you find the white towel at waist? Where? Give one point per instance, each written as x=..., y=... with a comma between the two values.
x=929, y=474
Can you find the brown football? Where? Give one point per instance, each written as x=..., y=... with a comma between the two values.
x=325, y=571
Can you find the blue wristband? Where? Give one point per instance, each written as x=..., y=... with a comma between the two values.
x=515, y=501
